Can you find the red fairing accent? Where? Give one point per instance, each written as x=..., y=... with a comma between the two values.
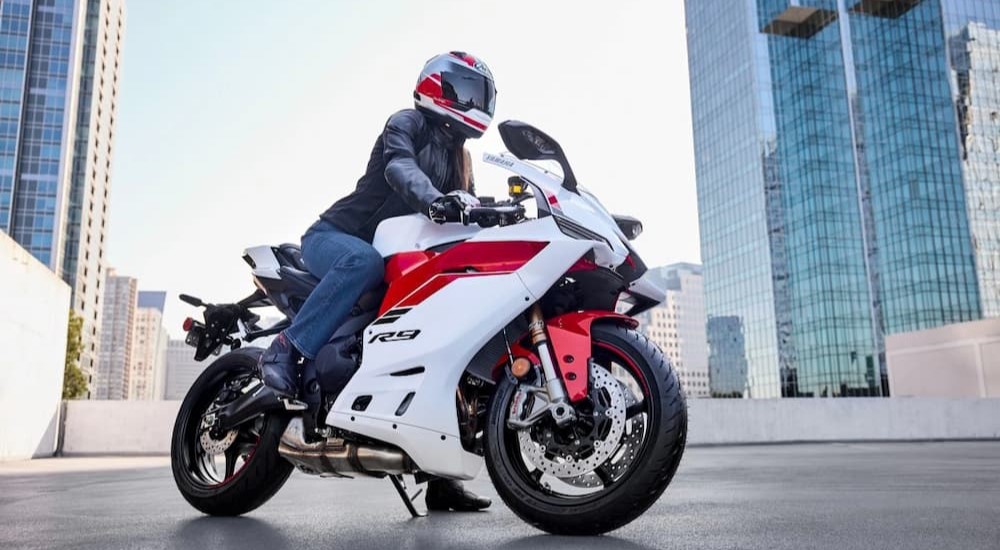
x=569, y=335
x=468, y=259
x=553, y=200
x=583, y=264
x=403, y=263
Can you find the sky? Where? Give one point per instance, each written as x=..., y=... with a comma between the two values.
x=239, y=121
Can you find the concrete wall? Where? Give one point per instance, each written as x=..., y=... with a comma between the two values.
x=144, y=427
x=959, y=360
x=34, y=312
x=119, y=427
x=728, y=421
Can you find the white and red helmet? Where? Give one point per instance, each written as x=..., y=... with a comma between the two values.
x=457, y=87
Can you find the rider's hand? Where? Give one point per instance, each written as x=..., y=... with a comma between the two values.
x=454, y=206
x=467, y=201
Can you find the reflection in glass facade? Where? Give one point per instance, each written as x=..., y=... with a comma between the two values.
x=59, y=63
x=848, y=164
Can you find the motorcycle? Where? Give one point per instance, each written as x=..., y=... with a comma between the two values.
x=494, y=339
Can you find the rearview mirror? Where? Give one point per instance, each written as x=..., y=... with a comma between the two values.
x=526, y=142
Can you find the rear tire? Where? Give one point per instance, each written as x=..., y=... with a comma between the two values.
x=622, y=500
x=263, y=470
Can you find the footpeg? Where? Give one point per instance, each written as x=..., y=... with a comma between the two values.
x=293, y=404
x=400, y=484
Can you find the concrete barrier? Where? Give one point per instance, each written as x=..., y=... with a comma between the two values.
x=144, y=427
x=34, y=311
x=733, y=421
x=119, y=427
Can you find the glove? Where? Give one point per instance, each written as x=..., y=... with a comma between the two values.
x=454, y=206
x=467, y=201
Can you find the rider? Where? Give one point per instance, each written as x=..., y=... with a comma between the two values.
x=419, y=164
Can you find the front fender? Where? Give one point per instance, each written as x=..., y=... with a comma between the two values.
x=569, y=335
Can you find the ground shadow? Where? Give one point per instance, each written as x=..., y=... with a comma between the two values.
x=225, y=533
x=572, y=543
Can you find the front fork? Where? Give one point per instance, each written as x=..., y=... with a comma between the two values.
x=557, y=401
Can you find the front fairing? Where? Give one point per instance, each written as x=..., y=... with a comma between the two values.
x=580, y=210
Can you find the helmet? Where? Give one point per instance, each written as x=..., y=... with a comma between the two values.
x=457, y=88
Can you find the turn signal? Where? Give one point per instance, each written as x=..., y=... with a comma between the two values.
x=520, y=367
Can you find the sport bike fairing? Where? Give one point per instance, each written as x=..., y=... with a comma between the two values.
x=416, y=353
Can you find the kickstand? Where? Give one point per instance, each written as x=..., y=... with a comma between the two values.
x=400, y=484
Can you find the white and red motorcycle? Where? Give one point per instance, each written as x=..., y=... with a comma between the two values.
x=493, y=339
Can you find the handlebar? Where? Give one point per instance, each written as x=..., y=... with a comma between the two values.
x=483, y=216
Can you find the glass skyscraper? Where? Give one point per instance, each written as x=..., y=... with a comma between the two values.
x=59, y=66
x=848, y=166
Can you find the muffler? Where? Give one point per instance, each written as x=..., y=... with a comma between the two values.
x=340, y=458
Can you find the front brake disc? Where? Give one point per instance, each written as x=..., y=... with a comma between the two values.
x=564, y=466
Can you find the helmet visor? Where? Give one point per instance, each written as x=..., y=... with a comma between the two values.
x=467, y=89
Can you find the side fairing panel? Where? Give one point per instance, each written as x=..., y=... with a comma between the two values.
x=416, y=232
x=425, y=350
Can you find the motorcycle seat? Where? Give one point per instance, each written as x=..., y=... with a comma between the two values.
x=290, y=255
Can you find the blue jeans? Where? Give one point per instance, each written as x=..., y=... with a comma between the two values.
x=347, y=268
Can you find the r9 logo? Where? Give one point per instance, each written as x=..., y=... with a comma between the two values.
x=400, y=336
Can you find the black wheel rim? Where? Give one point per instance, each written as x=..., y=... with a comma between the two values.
x=208, y=469
x=609, y=475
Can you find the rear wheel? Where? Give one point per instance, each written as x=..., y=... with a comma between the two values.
x=231, y=473
x=614, y=462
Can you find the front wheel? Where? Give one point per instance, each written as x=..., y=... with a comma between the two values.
x=613, y=462
x=231, y=473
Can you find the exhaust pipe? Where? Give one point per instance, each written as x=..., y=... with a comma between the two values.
x=340, y=458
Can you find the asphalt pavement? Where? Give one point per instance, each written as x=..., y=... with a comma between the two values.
x=843, y=496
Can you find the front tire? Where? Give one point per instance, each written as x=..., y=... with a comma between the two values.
x=253, y=471
x=625, y=489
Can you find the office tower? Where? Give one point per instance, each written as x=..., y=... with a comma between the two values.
x=677, y=325
x=182, y=369
x=117, y=338
x=847, y=183
x=147, y=377
x=59, y=63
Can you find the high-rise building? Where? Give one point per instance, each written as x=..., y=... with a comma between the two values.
x=846, y=155
x=182, y=369
x=677, y=325
x=59, y=62
x=117, y=338
x=147, y=376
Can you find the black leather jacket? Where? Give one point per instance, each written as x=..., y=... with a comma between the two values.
x=415, y=160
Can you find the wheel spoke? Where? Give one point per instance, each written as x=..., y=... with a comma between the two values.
x=635, y=409
x=232, y=454
x=603, y=474
x=537, y=476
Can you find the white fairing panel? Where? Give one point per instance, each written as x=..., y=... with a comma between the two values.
x=416, y=232
x=583, y=208
x=454, y=323
x=264, y=261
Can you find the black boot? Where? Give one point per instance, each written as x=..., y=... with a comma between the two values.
x=279, y=365
x=447, y=494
